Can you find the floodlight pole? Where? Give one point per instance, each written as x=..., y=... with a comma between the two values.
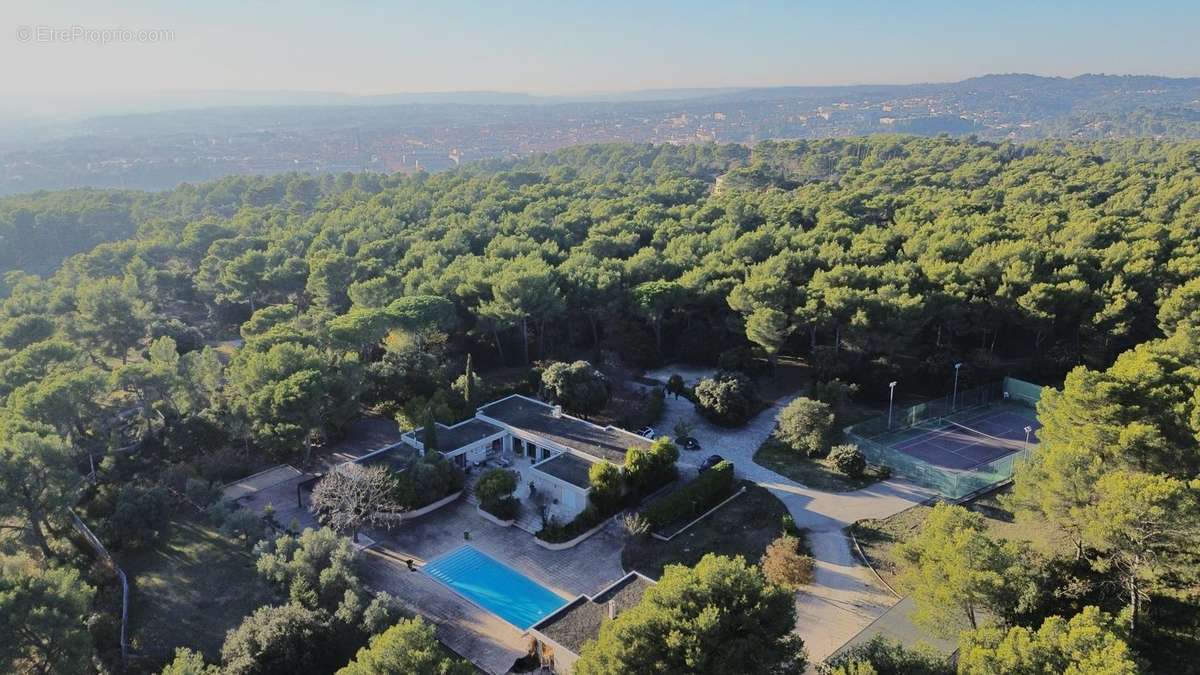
x=954, y=399
x=1028, y=430
x=891, y=401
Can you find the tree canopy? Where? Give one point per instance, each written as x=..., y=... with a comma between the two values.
x=680, y=620
x=199, y=332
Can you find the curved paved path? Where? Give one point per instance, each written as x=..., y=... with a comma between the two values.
x=845, y=595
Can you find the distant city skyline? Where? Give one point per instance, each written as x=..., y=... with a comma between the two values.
x=544, y=47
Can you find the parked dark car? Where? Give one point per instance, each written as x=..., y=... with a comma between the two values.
x=709, y=463
x=689, y=443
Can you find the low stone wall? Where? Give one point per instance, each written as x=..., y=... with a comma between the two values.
x=417, y=513
x=572, y=543
x=489, y=517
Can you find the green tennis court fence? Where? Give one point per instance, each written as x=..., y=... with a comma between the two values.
x=877, y=438
x=948, y=483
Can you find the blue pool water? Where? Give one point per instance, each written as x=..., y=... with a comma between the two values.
x=494, y=586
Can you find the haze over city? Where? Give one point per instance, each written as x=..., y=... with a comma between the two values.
x=548, y=47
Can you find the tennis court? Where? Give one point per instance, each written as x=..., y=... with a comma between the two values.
x=971, y=442
x=958, y=445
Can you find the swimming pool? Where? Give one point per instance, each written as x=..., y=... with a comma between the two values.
x=494, y=586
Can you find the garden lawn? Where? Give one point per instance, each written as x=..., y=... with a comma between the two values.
x=817, y=474
x=877, y=538
x=188, y=591
x=744, y=526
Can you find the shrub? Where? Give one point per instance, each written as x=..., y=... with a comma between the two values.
x=692, y=499
x=427, y=480
x=786, y=565
x=495, y=485
x=494, y=490
x=555, y=533
x=727, y=399
x=849, y=460
x=635, y=524
x=789, y=524
x=649, y=469
x=606, y=486
x=675, y=384
x=507, y=508
x=805, y=425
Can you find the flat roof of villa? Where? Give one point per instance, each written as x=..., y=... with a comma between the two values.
x=452, y=438
x=580, y=621
x=607, y=443
x=567, y=467
x=398, y=457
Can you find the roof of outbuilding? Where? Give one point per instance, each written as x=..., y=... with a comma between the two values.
x=580, y=621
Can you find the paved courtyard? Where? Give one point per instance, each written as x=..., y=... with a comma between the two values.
x=471, y=631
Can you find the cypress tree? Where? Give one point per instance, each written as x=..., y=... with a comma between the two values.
x=469, y=385
x=430, y=431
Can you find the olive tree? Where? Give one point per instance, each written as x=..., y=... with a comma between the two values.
x=353, y=496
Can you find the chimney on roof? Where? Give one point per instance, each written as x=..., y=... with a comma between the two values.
x=557, y=411
x=612, y=609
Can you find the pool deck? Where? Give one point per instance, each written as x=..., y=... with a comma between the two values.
x=488, y=641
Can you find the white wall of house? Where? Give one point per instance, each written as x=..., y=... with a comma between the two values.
x=571, y=499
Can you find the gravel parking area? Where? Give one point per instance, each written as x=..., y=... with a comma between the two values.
x=845, y=596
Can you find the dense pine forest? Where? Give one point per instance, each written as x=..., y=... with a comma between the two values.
x=192, y=336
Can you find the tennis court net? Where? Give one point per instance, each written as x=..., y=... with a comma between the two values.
x=951, y=427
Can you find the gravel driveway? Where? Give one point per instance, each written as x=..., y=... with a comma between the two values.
x=845, y=596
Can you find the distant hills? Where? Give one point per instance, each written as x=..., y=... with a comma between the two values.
x=202, y=135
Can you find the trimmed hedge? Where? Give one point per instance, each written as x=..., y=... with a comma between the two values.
x=507, y=508
x=692, y=499
x=554, y=533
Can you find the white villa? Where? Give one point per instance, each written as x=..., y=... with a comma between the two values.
x=551, y=449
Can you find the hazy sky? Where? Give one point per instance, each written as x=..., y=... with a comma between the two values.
x=576, y=47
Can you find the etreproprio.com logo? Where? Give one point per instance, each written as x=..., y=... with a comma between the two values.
x=98, y=36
